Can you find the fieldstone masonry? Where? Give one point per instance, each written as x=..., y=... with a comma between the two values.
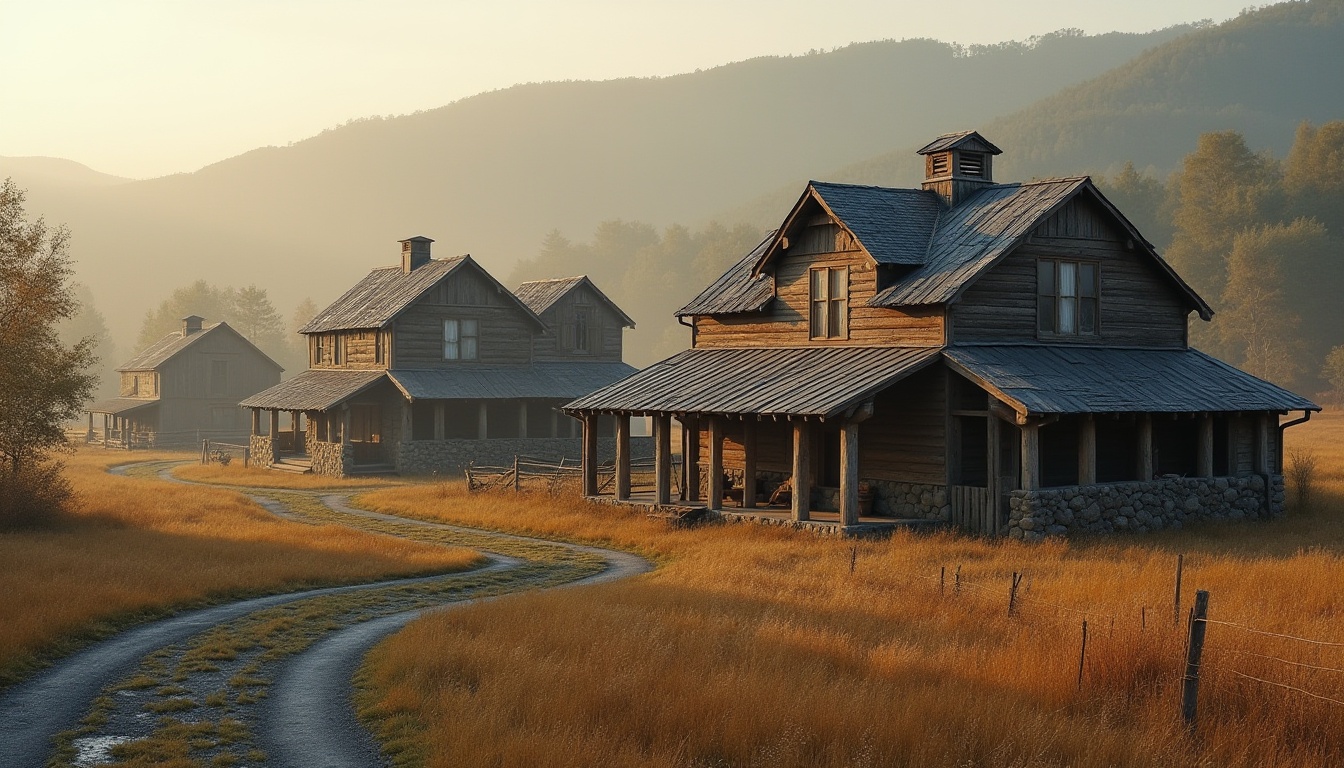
x=331, y=458
x=1141, y=507
x=262, y=449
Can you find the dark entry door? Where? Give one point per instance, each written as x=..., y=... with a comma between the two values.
x=366, y=433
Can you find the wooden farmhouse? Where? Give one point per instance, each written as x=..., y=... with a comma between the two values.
x=1010, y=358
x=184, y=388
x=432, y=364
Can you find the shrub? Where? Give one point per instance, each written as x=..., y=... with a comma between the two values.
x=1301, y=473
x=33, y=497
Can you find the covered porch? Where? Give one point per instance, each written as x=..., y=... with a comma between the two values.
x=123, y=422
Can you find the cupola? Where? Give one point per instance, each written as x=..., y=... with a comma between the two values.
x=957, y=165
x=414, y=253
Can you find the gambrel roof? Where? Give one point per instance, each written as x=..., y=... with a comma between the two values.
x=163, y=350
x=388, y=291
x=541, y=295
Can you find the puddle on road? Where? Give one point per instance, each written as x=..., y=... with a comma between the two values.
x=96, y=750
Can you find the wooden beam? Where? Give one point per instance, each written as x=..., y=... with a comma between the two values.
x=749, y=463
x=590, y=454
x=715, y=500
x=1087, y=450
x=662, y=458
x=849, y=473
x=1031, y=456
x=274, y=425
x=1145, y=447
x=802, y=470
x=623, y=456
x=1204, y=452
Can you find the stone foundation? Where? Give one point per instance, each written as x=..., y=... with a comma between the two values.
x=1141, y=507
x=423, y=457
x=262, y=449
x=331, y=458
x=910, y=500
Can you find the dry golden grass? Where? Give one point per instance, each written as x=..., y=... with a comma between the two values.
x=257, y=477
x=134, y=547
x=757, y=647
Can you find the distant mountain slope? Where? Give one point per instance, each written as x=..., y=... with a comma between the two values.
x=493, y=173
x=44, y=172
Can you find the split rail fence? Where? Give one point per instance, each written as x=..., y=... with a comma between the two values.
x=555, y=475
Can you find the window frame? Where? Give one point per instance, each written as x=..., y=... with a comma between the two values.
x=460, y=349
x=1081, y=304
x=828, y=316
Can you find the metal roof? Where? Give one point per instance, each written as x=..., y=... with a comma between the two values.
x=895, y=226
x=541, y=295
x=119, y=405
x=314, y=390
x=736, y=290
x=564, y=380
x=157, y=354
x=947, y=141
x=381, y=296
x=806, y=381
x=1067, y=379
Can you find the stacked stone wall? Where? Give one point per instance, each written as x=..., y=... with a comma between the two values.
x=262, y=449
x=1141, y=507
x=331, y=458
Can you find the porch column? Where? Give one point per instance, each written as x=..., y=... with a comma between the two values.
x=849, y=473
x=622, y=456
x=802, y=471
x=345, y=425
x=662, y=458
x=1262, y=461
x=690, y=458
x=1205, y=451
x=88, y=436
x=438, y=421
x=1031, y=456
x=555, y=422
x=993, y=463
x=256, y=422
x=482, y=421
x=1146, y=446
x=590, y=454
x=1087, y=450
x=522, y=418
x=749, y=463
x=274, y=430
x=715, y=494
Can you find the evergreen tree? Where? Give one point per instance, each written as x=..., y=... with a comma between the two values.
x=1141, y=197
x=1333, y=373
x=252, y=314
x=296, y=358
x=200, y=298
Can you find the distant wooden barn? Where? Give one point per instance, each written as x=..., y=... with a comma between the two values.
x=432, y=364
x=1011, y=358
x=183, y=388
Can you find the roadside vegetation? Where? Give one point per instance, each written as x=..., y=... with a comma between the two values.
x=235, y=473
x=761, y=647
x=130, y=548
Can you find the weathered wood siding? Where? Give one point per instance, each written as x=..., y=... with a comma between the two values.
x=505, y=332
x=560, y=343
x=785, y=321
x=1138, y=304
x=200, y=387
x=362, y=349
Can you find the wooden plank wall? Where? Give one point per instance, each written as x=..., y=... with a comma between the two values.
x=187, y=399
x=1139, y=305
x=505, y=332
x=604, y=329
x=905, y=439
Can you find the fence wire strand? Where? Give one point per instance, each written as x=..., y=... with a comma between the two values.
x=1252, y=630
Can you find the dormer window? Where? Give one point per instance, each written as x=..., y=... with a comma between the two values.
x=830, y=303
x=1067, y=297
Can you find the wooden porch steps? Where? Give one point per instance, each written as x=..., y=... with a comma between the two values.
x=294, y=465
x=372, y=469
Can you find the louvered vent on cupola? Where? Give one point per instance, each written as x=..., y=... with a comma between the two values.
x=956, y=165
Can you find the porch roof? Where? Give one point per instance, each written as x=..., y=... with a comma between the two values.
x=560, y=380
x=1063, y=380
x=118, y=406
x=794, y=381
x=314, y=390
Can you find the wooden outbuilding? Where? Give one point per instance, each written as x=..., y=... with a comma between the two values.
x=1009, y=358
x=433, y=364
x=184, y=388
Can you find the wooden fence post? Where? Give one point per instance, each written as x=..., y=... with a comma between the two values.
x=516, y=482
x=1193, y=653
x=1082, y=656
x=942, y=575
x=247, y=456
x=956, y=581
x=1012, y=594
x=205, y=451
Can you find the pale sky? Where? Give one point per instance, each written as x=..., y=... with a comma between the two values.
x=143, y=88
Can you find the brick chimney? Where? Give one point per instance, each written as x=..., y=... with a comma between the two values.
x=414, y=253
x=957, y=165
x=191, y=324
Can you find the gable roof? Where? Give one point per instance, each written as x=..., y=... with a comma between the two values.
x=161, y=351
x=388, y=291
x=738, y=289
x=316, y=389
x=541, y=295
x=895, y=226
x=960, y=140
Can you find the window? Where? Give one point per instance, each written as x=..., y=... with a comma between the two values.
x=378, y=347
x=319, y=349
x=460, y=339
x=1066, y=297
x=830, y=303
x=337, y=348
x=581, y=330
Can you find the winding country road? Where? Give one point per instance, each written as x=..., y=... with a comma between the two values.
x=268, y=680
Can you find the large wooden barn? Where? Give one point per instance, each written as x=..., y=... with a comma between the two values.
x=1012, y=358
x=433, y=364
x=183, y=388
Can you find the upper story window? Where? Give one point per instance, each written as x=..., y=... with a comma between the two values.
x=319, y=349
x=1066, y=297
x=460, y=339
x=830, y=303
x=337, y=348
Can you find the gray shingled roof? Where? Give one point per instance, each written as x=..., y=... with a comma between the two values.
x=809, y=381
x=961, y=138
x=894, y=226
x=314, y=390
x=736, y=290
x=541, y=295
x=157, y=354
x=1066, y=379
x=381, y=296
x=119, y=405
x=565, y=380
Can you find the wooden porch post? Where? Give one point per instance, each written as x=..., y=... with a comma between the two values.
x=1087, y=450
x=482, y=420
x=555, y=422
x=1205, y=450
x=662, y=458
x=294, y=429
x=1146, y=446
x=749, y=463
x=1031, y=456
x=1262, y=461
x=274, y=432
x=802, y=471
x=993, y=462
x=439, y=413
x=690, y=457
x=590, y=454
x=88, y=436
x=622, y=456
x=522, y=418
x=849, y=473
x=715, y=500
x=345, y=424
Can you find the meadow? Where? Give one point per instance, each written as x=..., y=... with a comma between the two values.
x=134, y=548
x=762, y=647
